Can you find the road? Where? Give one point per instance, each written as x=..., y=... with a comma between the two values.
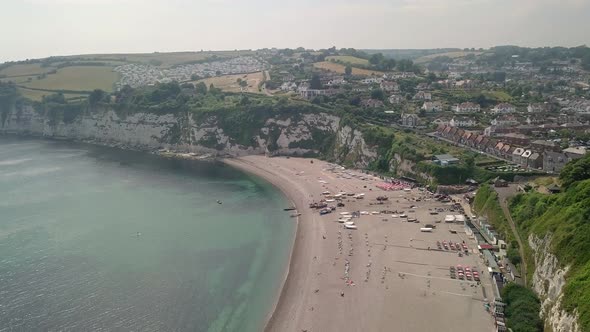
x=503, y=195
x=266, y=78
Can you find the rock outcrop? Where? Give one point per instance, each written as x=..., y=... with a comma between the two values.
x=548, y=283
x=283, y=134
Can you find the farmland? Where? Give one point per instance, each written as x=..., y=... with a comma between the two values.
x=452, y=55
x=167, y=59
x=348, y=59
x=28, y=69
x=82, y=78
x=38, y=95
x=229, y=82
x=338, y=68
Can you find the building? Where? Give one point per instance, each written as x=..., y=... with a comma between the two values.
x=441, y=122
x=505, y=121
x=389, y=86
x=409, y=120
x=503, y=108
x=515, y=139
x=467, y=108
x=516, y=155
x=395, y=99
x=422, y=95
x=371, y=103
x=462, y=122
x=554, y=161
x=372, y=80
x=535, y=161
x=445, y=159
x=537, y=108
x=432, y=106
x=541, y=145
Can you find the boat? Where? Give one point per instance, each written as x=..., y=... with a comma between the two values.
x=289, y=209
x=350, y=226
x=426, y=229
x=295, y=215
x=219, y=202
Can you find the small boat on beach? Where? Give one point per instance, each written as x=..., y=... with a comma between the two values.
x=289, y=209
x=295, y=215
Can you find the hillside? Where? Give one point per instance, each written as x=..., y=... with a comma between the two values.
x=558, y=226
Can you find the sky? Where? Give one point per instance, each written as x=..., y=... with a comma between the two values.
x=41, y=28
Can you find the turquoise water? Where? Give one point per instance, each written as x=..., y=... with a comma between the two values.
x=71, y=258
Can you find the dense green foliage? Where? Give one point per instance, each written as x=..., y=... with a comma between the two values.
x=566, y=217
x=522, y=309
x=486, y=204
x=576, y=170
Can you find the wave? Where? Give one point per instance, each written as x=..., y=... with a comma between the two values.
x=14, y=162
x=32, y=172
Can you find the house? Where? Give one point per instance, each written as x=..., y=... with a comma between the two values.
x=395, y=99
x=409, y=120
x=371, y=103
x=421, y=95
x=445, y=159
x=503, y=108
x=524, y=159
x=554, y=161
x=515, y=139
x=532, y=120
x=389, y=86
x=516, y=155
x=372, y=80
x=537, y=108
x=541, y=145
x=577, y=152
x=535, y=161
x=422, y=86
x=288, y=86
x=432, y=106
x=462, y=122
x=467, y=108
x=441, y=122
x=505, y=121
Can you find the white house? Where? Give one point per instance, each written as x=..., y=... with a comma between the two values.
x=505, y=121
x=504, y=108
x=467, y=107
x=422, y=95
x=395, y=99
x=289, y=86
x=432, y=106
x=536, y=108
x=372, y=80
x=389, y=86
x=462, y=122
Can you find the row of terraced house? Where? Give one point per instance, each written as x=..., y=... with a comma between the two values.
x=534, y=155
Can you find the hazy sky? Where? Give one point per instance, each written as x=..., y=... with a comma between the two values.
x=40, y=28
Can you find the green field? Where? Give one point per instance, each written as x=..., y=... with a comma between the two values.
x=24, y=70
x=38, y=95
x=83, y=78
x=165, y=59
x=452, y=55
x=348, y=59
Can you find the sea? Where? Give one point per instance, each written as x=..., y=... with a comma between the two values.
x=101, y=239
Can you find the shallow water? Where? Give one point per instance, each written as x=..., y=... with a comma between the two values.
x=93, y=238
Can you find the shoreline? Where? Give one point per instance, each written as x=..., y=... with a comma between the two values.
x=286, y=286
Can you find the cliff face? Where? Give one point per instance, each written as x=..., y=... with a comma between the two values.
x=283, y=134
x=548, y=283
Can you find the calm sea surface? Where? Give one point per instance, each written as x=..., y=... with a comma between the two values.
x=98, y=239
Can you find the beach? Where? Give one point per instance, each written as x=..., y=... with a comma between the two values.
x=386, y=275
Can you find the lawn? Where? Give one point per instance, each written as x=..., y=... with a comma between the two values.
x=452, y=55
x=24, y=70
x=338, y=68
x=348, y=59
x=229, y=82
x=38, y=95
x=83, y=78
x=168, y=59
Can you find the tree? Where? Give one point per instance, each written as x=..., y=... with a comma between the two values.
x=96, y=96
x=378, y=94
x=348, y=70
x=389, y=64
x=586, y=62
x=576, y=170
x=376, y=59
x=315, y=82
x=201, y=88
